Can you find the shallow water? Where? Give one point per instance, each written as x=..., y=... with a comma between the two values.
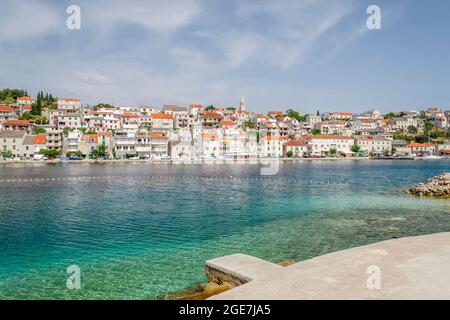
x=139, y=231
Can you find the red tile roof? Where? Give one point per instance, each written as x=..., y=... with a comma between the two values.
x=275, y=113
x=296, y=143
x=17, y=123
x=25, y=98
x=6, y=108
x=161, y=115
x=227, y=123
x=129, y=115
x=40, y=139
x=420, y=145
x=208, y=136
x=212, y=115
x=156, y=136
x=274, y=138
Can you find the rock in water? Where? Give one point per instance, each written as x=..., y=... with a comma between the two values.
x=437, y=187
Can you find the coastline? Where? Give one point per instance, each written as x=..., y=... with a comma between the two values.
x=212, y=161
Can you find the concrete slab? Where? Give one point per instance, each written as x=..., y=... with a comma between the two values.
x=407, y=268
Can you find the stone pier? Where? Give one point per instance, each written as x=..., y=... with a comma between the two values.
x=407, y=268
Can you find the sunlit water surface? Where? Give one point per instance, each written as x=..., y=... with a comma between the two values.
x=140, y=231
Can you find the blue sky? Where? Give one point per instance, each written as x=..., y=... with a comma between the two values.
x=305, y=54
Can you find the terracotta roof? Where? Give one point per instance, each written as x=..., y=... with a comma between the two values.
x=274, y=138
x=208, y=136
x=212, y=115
x=25, y=98
x=420, y=145
x=296, y=143
x=129, y=115
x=105, y=134
x=227, y=123
x=157, y=136
x=17, y=123
x=40, y=139
x=196, y=106
x=6, y=108
x=279, y=113
x=161, y=115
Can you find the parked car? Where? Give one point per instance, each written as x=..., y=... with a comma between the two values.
x=39, y=157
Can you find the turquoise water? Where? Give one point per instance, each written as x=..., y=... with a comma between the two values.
x=140, y=231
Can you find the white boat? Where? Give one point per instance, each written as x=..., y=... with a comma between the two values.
x=432, y=158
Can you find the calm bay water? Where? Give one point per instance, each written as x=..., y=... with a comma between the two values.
x=147, y=230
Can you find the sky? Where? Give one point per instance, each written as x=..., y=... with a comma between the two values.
x=304, y=54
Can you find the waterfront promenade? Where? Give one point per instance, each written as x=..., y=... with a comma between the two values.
x=407, y=268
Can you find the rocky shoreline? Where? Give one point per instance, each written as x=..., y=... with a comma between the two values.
x=436, y=187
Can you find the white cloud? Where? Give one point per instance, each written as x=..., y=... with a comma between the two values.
x=204, y=54
x=158, y=15
x=21, y=19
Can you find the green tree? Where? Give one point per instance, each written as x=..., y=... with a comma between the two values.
x=428, y=125
x=249, y=124
x=9, y=96
x=315, y=132
x=91, y=132
x=333, y=151
x=412, y=129
x=296, y=115
x=36, y=108
x=356, y=148
x=7, y=154
x=99, y=151
x=40, y=119
x=38, y=130
x=391, y=115
x=290, y=154
x=210, y=107
x=421, y=138
x=26, y=116
x=51, y=154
